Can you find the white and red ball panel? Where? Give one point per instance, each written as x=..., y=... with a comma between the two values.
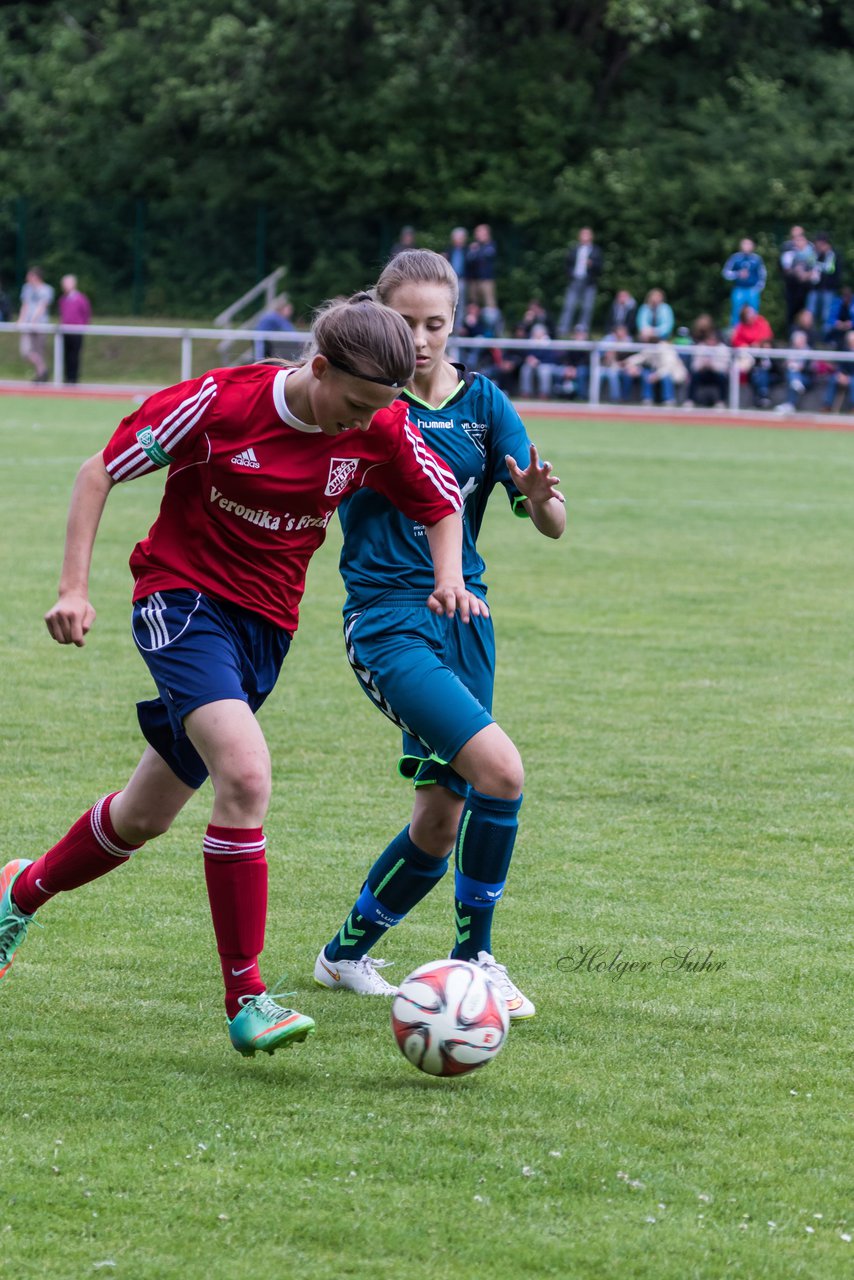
x=448, y=1018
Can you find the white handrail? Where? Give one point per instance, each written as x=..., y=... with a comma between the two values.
x=267, y=286
x=187, y=335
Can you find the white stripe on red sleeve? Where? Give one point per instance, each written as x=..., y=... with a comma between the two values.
x=434, y=468
x=134, y=461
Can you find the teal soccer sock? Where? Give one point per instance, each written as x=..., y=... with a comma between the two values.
x=402, y=875
x=485, y=840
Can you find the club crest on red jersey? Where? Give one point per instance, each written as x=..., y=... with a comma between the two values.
x=341, y=472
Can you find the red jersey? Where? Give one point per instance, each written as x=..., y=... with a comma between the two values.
x=251, y=489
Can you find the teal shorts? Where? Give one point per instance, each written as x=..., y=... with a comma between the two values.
x=432, y=676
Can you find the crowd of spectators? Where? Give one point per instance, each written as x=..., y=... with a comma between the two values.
x=818, y=322
x=818, y=309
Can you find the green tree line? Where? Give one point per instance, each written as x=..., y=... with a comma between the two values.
x=171, y=153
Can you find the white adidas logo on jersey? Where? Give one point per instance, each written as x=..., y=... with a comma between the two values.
x=246, y=458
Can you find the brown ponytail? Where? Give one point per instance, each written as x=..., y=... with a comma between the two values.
x=362, y=337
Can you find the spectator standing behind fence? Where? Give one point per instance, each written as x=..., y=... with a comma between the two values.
x=619, y=382
x=655, y=317
x=473, y=324
x=279, y=319
x=841, y=320
x=36, y=299
x=797, y=263
x=826, y=280
x=799, y=375
x=804, y=323
x=74, y=308
x=535, y=313
x=707, y=386
x=5, y=306
x=753, y=330
x=624, y=311
x=478, y=322
x=583, y=268
x=574, y=376
x=481, y=263
x=405, y=240
x=539, y=366
x=840, y=382
x=746, y=273
x=456, y=254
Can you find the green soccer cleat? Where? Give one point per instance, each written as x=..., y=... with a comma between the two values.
x=13, y=923
x=263, y=1024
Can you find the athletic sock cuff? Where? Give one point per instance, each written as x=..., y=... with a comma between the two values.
x=477, y=893
x=234, y=842
x=104, y=831
x=372, y=909
x=424, y=863
x=494, y=804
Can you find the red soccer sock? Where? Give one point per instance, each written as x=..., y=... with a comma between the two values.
x=236, y=876
x=89, y=850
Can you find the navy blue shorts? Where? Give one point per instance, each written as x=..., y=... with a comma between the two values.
x=200, y=650
x=432, y=676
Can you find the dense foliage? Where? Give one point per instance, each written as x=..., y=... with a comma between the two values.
x=172, y=153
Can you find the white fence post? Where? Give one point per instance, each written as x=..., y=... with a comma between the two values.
x=734, y=380
x=594, y=388
x=58, y=359
x=186, y=357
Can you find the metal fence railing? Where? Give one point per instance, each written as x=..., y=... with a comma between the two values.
x=732, y=360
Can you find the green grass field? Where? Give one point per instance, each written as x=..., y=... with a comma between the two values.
x=678, y=675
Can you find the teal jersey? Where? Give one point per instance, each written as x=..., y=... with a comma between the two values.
x=386, y=554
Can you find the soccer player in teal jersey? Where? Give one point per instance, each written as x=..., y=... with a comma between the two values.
x=431, y=677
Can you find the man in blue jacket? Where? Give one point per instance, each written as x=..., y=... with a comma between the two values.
x=746, y=271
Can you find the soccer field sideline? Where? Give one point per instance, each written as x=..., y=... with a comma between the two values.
x=746, y=418
x=677, y=674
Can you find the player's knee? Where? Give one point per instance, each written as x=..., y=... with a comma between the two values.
x=434, y=833
x=503, y=776
x=245, y=790
x=137, y=828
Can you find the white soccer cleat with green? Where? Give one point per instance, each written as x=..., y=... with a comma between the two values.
x=518, y=1005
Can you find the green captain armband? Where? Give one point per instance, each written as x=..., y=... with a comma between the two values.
x=149, y=445
x=518, y=505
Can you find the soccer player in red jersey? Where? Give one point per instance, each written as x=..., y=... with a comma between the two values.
x=259, y=457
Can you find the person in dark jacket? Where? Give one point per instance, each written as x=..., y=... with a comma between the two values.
x=583, y=269
x=623, y=313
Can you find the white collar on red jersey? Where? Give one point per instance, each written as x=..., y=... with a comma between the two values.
x=281, y=404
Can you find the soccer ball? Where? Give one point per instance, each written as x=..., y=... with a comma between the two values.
x=448, y=1018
